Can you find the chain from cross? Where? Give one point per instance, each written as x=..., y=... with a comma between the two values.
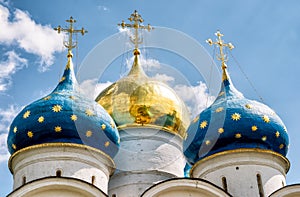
x=70, y=44
x=221, y=45
x=136, y=25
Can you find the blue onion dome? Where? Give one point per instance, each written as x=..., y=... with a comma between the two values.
x=137, y=100
x=234, y=122
x=64, y=116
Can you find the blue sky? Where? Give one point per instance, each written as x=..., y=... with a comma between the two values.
x=265, y=34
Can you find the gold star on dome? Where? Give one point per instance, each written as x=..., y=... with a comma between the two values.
x=196, y=119
x=221, y=93
x=221, y=130
x=88, y=133
x=238, y=135
x=281, y=146
x=236, y=116
x=73, y=117
x=207, y=142
x=219, y=109
x=41, y=119
x=106, y=144
x=264, y=138
x=254, y=128
x=248, y=106
x=57, y=129
x=273, y=112
x=46, y=98
x=15, y=129
x=62, y=79
x=89, y=112
x=266, y=119
x=30, y=134
x=56, y=108
x=14, y=146
x=26, y=114
x=103, y=126
x=203, y=124
x=112, y=124
x=277, y=134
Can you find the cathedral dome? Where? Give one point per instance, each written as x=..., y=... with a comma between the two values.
x=64, y=116
x=137, y=100
x=234, y=122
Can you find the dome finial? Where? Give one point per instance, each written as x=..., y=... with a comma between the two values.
x=222, y=57
x=136, y=25
x=68, y=80
x=70, y=44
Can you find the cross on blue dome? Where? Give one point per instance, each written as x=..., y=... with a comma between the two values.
x=64, y=116
x=234, y=122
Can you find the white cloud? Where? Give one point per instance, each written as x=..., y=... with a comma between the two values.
x=195, y=97
x=103, y=8
x=4, y=154
x=91, y=88
x=163, y=77
x=149, y=63
x=6, y=117
x=127, y=34
x=8, y=67
x=23, y=32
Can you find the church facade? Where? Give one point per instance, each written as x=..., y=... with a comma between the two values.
x=136, y=139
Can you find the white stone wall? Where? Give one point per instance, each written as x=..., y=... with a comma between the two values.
x=57, y=187
x=146, y=156
x=288, y=191
x=240, y=168
x=185, y=188
x=72, y=160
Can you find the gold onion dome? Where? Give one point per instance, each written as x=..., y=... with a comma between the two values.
x=137, y=100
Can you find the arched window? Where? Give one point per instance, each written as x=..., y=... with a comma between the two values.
x=260, y=186
x=23, y=180
x=93, y=180
x=58, y=173
x=224, y=183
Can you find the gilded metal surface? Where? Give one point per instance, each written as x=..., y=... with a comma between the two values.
x=222, y=57
x=137, y=100
x=69, y=44
x=136, y=25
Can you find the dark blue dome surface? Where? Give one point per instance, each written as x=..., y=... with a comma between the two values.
x=65, y=116
x=234, y=122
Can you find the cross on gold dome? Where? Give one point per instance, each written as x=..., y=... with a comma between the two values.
x=136, y=25
x=221, y=45
x=70, y=44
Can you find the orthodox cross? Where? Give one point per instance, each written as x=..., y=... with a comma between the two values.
x=221, y=44
x=70, y=44
x=137, y=20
